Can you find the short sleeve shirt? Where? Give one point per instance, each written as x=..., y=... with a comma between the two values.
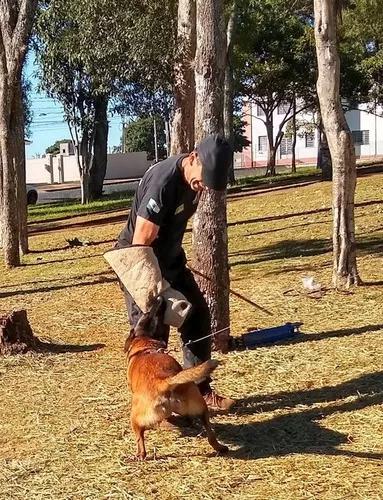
x=164, y=198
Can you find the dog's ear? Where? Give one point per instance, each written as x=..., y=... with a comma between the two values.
x=129, y=340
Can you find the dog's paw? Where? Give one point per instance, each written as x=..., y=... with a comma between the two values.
x=222, y=449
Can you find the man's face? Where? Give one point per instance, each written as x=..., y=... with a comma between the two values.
x=195, y=173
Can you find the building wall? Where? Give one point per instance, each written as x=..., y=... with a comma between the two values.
x=358, y=120
x=119, y=166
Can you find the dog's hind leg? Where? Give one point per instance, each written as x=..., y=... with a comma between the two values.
x=139, y=433
x=221, y=448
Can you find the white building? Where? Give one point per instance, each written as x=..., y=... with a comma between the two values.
x=366, y=128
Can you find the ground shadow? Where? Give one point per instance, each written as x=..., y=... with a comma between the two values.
x=269, y=218
x=67, y=246
x=59, y=261
x=299, y=431
x=312, y=337
x=100, y=279
x=286, y=249
x=55, y=348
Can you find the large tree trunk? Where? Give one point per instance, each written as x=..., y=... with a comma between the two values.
x=98, y=170
x=21, y=186
x=210, y=255
x=15, y=25
x=184, y=89
x=340, y=142
x=10, y=206
x=229, y=88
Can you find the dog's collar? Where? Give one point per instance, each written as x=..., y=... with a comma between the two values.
x=149, y=350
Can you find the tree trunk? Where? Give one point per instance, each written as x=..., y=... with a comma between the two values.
x=340, y=142
x=15, y=26
x=1, y=202
x=229, y=89
x=324, y=156
x=86, y=147
x=210, y=254
x=100, y=159
x=294, y=141
x=10, y=206
x=16, y=336
x=21, y=186
x=184, y=89
x=270, y=169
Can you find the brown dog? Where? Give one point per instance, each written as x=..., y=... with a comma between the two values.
x=160, y=386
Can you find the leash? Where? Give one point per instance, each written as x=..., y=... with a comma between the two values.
x=206, y=336
x=233, y=292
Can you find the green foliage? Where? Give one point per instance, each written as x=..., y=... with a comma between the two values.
x=28, y=113
x=274, y=56
x=240, y=139
x=54, y=149
x=139, y=136
x=362, y=32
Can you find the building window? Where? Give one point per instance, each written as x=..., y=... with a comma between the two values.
x=286, y=146
x=262, y=144
x=283, y=108
x=361, y=137
x=260, y=111
x=309, y=139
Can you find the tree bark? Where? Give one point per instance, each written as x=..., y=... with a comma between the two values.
x=11, y=225
x=294, y=141
x=272, y=151
x=210, y=254
x=182, y=140
x=324, y=156
x=340, y=142
x=15, y=26
x=229, y=88
x=19, y=156
x=98, y=170
x=16, y=336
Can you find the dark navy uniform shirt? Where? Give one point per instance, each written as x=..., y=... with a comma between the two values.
x=164, y=198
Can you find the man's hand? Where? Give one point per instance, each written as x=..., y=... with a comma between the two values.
x=145, y=232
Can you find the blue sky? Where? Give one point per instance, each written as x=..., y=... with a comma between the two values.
x=48, y=124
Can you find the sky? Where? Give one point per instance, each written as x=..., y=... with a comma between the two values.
x=48, y=124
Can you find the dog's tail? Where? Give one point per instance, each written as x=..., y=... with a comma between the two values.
x=194, y=374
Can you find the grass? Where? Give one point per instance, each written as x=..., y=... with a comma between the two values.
x=51, y=211
x=302, y=173
x=309, y=420
x=122, y=200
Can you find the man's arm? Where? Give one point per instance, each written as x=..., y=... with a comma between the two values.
x=145, y=232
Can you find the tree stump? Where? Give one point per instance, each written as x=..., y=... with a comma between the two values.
x=16, y=336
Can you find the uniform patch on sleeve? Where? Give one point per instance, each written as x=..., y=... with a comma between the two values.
x=179, y=209
x=152, y=206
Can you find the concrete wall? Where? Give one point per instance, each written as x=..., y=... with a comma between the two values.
x=65, y=169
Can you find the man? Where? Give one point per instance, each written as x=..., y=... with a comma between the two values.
x=165, y=200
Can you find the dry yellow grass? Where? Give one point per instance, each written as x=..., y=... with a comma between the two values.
x=310, y=421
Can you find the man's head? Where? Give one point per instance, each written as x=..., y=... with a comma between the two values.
x=208, y=165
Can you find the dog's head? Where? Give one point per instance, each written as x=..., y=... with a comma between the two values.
x=147, y=324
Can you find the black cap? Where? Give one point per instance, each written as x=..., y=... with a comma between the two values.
x=215, y=155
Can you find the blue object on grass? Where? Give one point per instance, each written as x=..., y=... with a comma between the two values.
x=268, y=335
